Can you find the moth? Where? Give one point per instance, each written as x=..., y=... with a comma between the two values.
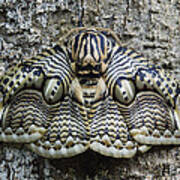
x=89, y=92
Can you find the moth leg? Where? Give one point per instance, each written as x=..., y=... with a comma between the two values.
x=143, y=148
x=24, y=118
x=75, y=91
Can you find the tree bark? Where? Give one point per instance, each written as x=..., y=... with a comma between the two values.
x=150, y=27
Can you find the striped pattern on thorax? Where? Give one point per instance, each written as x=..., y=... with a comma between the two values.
x=89, y=44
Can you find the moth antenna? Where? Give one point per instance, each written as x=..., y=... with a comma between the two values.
x=97, y=5
x=81, y=14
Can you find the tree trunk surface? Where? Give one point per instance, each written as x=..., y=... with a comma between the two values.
x=150, y=27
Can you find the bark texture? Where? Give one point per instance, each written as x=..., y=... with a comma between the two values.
x=151, y=27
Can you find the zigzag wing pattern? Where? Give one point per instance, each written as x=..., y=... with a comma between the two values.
x=149, y=95
x=89, y=94
x=49, y=73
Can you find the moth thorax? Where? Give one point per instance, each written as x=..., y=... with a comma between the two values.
x=89, y=50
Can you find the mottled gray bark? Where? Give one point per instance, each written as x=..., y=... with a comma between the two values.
x=151, y=27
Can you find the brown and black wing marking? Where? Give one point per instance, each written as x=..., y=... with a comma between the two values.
x=147, y=96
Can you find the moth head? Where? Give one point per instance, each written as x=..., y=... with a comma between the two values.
x=90, y=52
